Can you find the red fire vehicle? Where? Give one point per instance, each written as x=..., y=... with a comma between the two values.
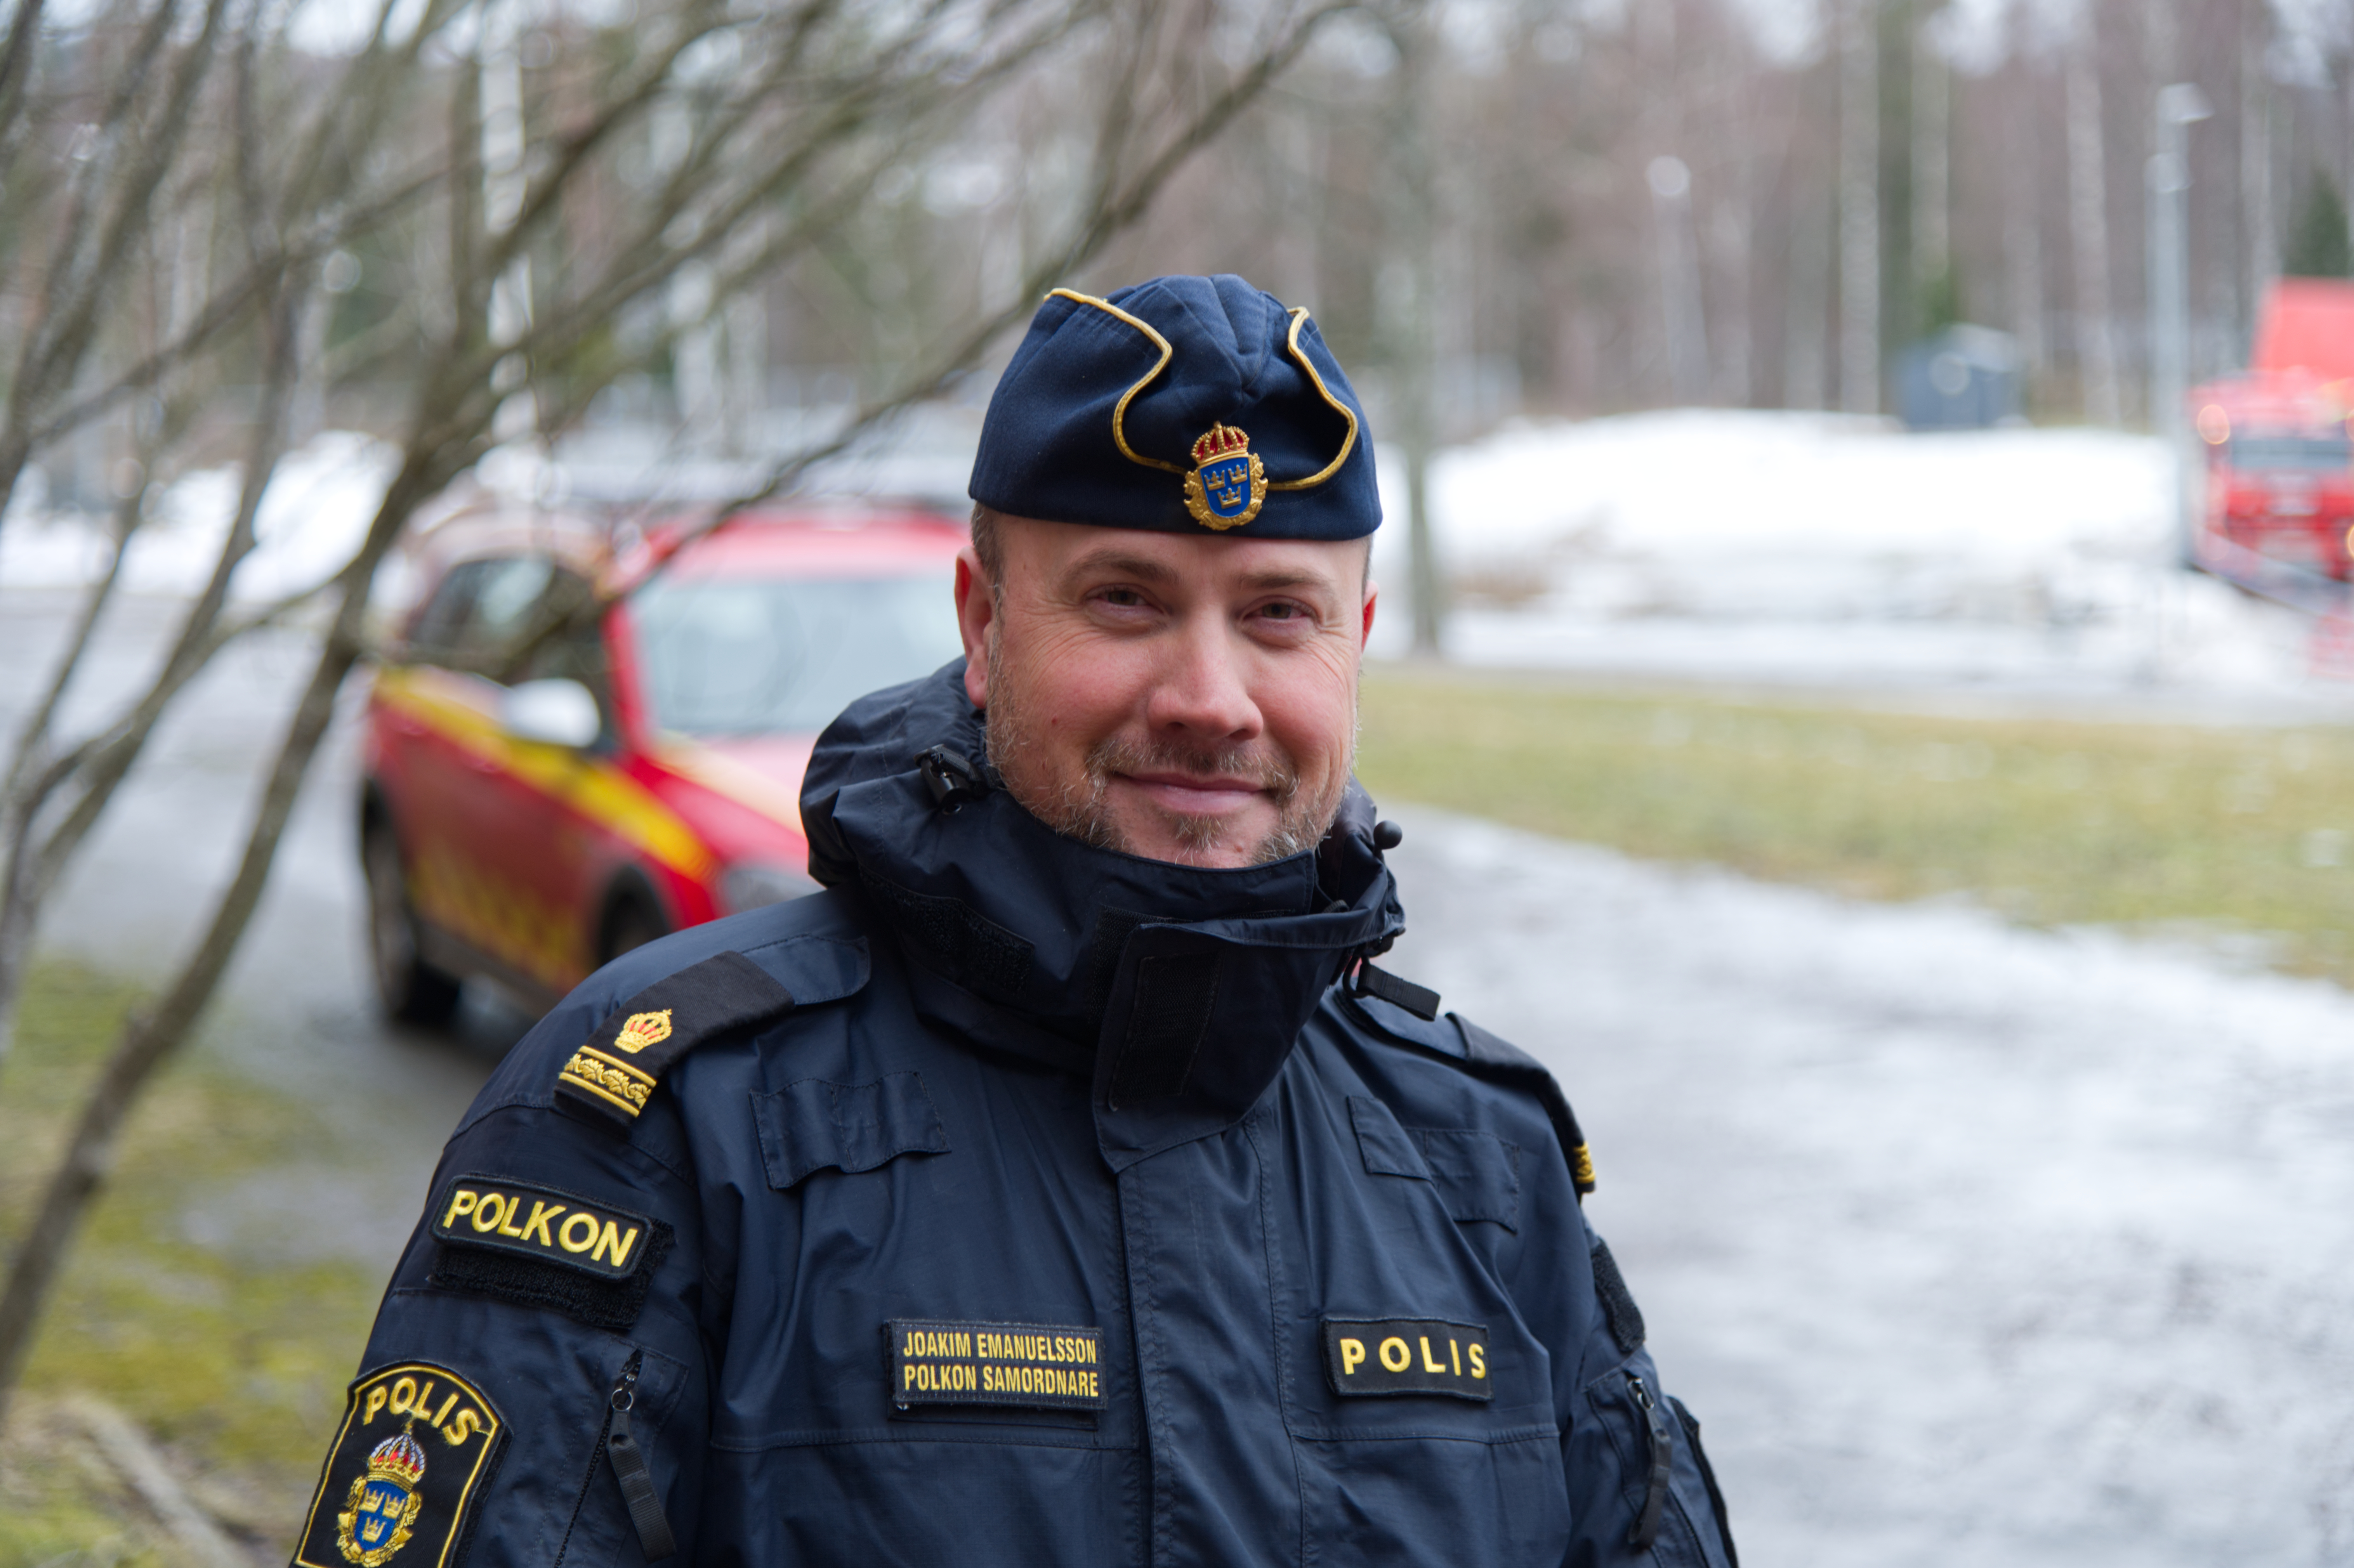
x=2280, y=466
x=532, y=805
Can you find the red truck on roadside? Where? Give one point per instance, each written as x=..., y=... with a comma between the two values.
x=2279, y=463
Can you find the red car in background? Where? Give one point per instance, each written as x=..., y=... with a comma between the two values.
x=2280, y=465
x=2280, y=475
x=548, y=783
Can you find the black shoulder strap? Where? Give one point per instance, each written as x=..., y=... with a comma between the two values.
x=615, y=1070
x=1497, y=1059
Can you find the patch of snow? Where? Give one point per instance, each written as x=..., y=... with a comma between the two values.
x=1968, y=1244
x=312, y=517
x=1813, y=549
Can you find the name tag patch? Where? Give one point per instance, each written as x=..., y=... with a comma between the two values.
x=1041, y=1365
x=541, y=1222
x=415, y=1441
x=1378, y=1356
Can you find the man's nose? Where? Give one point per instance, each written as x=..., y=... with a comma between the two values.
x=1203, y=684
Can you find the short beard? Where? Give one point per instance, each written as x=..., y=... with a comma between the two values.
x=1081, y=808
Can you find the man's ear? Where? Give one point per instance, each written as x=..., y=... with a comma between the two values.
x=976, y=608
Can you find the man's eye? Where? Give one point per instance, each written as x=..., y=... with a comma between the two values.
x=1122, y=596
x=1284, y=610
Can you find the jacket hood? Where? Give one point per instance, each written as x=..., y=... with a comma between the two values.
x=1180, y=989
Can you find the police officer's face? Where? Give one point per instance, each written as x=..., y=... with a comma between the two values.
x=1182, y=698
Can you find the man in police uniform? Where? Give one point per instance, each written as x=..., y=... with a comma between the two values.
x=1063, y=1184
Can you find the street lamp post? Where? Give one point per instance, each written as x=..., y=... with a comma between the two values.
x=2181, y=105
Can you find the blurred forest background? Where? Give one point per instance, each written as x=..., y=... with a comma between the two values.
x=1568, y=206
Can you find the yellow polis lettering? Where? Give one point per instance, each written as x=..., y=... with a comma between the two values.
x=461, y=1201
x=487, y=1212
x=1353, y=1355
x=1428, y=1363
x=375, y=1399
x=588, y=1223
x=1479, y=1361
x=404, y=1395
x=1455, y=1354
x=540, y=1214
x=447, y=1407
x=463, y=1428
x=507, y=1227
x=424, y=1400
x=1404, y=1357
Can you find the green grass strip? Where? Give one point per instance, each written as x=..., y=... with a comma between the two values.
x=236, y=1365
x=2246, y=834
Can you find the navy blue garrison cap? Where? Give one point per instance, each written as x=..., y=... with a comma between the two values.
x=1185, y=405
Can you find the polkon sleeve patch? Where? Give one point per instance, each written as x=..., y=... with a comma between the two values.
x=543, y=1246
x=415, y=1444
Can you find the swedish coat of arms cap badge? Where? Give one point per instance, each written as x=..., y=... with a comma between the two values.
x=1228, y=483
x=643, y=1028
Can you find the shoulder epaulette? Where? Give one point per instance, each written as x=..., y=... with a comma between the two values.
x=1497, y=1059
x=614, y=1071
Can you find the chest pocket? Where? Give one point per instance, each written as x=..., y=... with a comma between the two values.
x=1477, y=1174
x=814, y=1125
x=1413, y=1476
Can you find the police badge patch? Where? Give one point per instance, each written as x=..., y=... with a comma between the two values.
x=416, y=1440
x=1228, y=484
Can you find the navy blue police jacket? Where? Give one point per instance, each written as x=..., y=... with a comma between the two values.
x=1010, y=1201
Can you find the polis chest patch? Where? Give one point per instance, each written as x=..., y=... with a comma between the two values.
x=416, y=1441
x=1383, y=1356
x=1041, y=1365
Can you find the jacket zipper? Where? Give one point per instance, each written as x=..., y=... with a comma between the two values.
x=1646, y=1528
x=616, y=1439
x=630, y=1469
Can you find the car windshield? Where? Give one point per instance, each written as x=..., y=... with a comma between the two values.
x=2292, y=451
x=766, y=656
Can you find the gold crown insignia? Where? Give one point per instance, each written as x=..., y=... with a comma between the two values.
x=398, y=1458
x=643, y=1028
x=1228, y=483
x=1219, y=441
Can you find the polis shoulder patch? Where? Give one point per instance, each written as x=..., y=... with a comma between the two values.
x=614, y=1071
x=1384, y=1356
x=542, y=1246
x=416, y=1442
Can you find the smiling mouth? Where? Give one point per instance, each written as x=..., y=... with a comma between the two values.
x=1190, y=796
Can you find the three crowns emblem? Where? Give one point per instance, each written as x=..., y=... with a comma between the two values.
x=1228, y=482
x=643, y=1028
x=380, y=1515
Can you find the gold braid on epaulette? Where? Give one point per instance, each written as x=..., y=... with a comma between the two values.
x=624, y=1087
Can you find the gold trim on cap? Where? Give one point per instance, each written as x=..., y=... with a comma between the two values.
x=1168, y=351
x=1348, y=442
x=1120, y=409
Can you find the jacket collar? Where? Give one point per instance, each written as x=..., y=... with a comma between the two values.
x=1180, y=990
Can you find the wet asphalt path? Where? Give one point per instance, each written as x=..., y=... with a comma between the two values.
x=296, y=1012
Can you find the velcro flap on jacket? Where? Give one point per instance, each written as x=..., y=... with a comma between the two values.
x=814, y=1125
x=1478, y=1174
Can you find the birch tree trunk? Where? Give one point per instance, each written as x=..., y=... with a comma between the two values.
x=2257, y=226
x=1932, y=166
x=1858, y=172
x=2096, y=356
